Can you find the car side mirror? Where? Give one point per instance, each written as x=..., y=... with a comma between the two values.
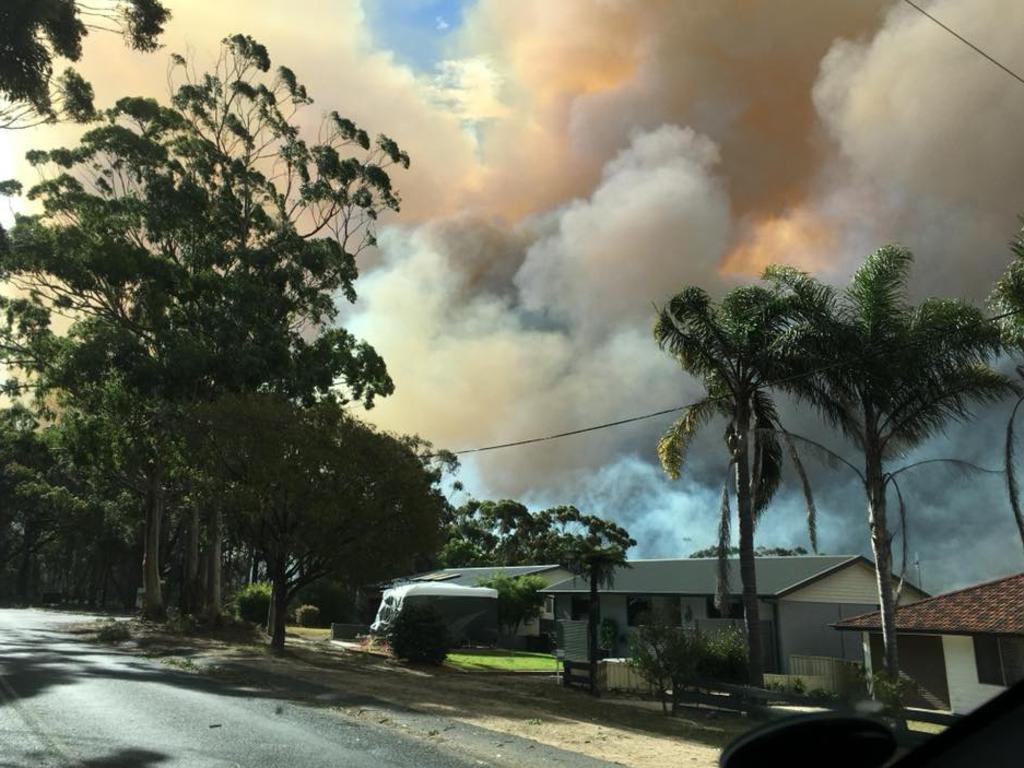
x=828, y=739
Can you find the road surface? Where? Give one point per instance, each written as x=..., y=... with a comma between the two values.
x=65, y=702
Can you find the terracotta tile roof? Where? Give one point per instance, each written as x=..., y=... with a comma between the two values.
x=995, y=607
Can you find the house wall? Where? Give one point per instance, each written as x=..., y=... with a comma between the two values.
x=965, y=692
x=853, y=584
x=804, y=628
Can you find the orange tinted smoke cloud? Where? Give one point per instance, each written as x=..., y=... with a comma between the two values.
x=798, y=238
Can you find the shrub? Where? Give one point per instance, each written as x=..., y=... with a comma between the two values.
x=724, y=657
x=252, y=602
x=335, y=600
x=307, y=616
x=419, y=634
x=666, y=656
x=114, y=632
x=608, y=633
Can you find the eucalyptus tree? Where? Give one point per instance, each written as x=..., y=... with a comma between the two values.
x=35, y=32
x=321, y=494
x=738, y=349
x=197, y=249
x=1008, y=302
x=889, y=375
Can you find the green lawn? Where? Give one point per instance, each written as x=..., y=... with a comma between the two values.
x=514, y=661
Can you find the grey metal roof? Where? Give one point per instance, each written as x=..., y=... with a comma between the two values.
x=698, y=576
x=470, y=577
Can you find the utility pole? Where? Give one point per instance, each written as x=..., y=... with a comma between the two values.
x=917, y=565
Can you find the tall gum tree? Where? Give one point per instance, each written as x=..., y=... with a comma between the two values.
x=198, y=249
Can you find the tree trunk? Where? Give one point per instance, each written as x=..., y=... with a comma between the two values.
x=152, y=600
x=213, y=567
x=25, y=568
x=592, y=632
x=278, y=606
x=190, y=592
x=748, y=575
x=882, y=551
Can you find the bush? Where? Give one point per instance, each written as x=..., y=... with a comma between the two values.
x=666, y=656
x=608, y=634
x=335, y=600
x=724, y=657
x=307, y=616
x=419, y=634
x=114, y=632
x=252, y=602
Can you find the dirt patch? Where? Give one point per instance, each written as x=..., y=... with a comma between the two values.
x=532, y=707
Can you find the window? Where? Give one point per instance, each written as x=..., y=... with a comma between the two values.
x=999, y=660
x=637, y=610
x=733, y=609
x=580, y=607
x=549, y=606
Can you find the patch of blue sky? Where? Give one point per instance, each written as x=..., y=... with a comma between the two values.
x=416, y=31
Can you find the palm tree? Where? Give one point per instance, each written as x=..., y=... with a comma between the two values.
x=592, y=548
x=889, y=375
x=1008, y=302
x=737, y=349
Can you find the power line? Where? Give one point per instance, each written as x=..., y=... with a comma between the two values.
x=966, y=42
x=666, y=411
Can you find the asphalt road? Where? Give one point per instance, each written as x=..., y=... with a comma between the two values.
x=65, y=702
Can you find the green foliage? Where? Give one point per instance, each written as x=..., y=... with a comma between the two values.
x=419, y=634
x=672, y=658
x=608, y=633
x=252, y=602
x=890, y=375
x=736, y=348
x=519, y=599
x=665, y=655
x=334, y=599
x=35, y=32
x=308, y=616
x=892, y=693
x=724, y=656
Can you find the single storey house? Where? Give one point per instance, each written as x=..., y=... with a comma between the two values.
x=532, y=634
x=961, y=648
x=801, y=597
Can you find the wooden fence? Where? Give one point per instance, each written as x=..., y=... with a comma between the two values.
x=836, y=675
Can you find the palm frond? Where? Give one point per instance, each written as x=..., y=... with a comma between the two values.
x=675, y=442
x=724, y=539
x=830, y=456
x=1011, y=474
x=877, y=290
x=805, y=485
x=966, y=467
x=903, y=536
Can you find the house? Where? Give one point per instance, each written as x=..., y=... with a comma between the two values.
x=532, y=635
x=961, y=648
x=801, y=597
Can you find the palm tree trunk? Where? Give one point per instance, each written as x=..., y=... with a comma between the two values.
x=882, y=551
x=748, y=575
x=153, y=601
x=592, y=632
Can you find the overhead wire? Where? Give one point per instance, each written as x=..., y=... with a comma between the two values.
x=966, y=42
x=677, y=409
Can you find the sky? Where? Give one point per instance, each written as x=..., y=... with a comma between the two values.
x=576, y=163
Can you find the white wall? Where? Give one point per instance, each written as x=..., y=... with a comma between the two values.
x=965, y=692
